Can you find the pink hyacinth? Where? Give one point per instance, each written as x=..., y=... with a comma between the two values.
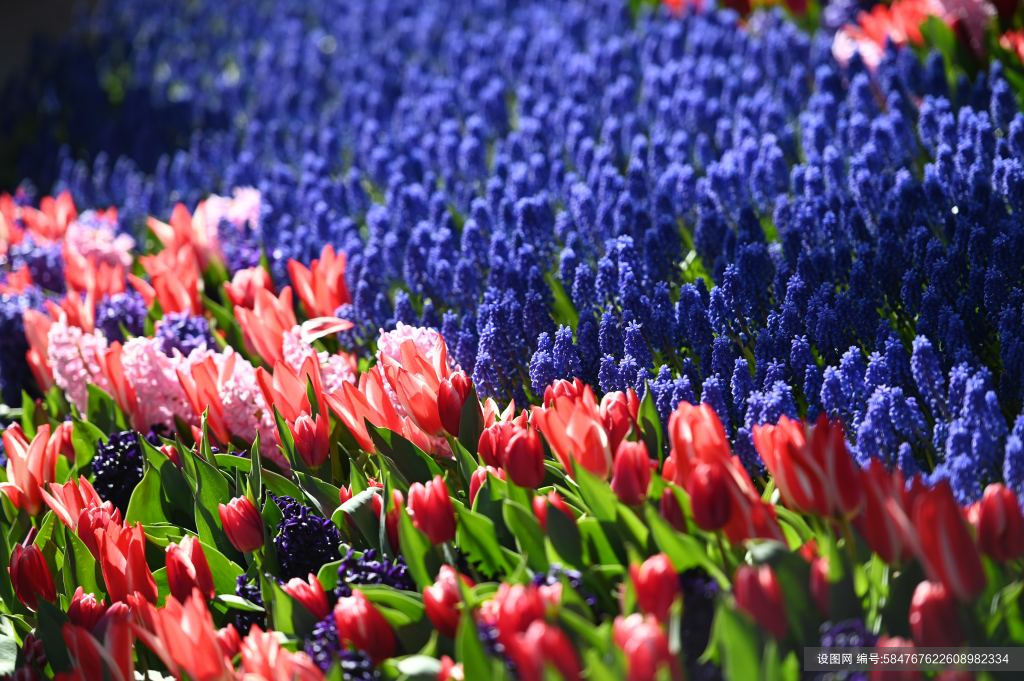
x=242, y=207
x=73, y=354
x=245, y=411
x=152, y=374
x=428, y=341
x=96, y=239
x=335, y=369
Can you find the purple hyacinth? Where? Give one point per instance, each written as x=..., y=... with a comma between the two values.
x=184, y=332
x=304, y=541
x=127, y=310
x=117, y=468
x=370, y=568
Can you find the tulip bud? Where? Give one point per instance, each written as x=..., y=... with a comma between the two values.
x=310, y=593
x=646, y=648
x=430, y=510
x=523, y=458
x=479, y=477
x=442, y=598
x=885, y=642
x=619, y=411
x=85, y=609
x=450, y=670
x=171, y=452
x=31, y=576
x=820, y=585
x=540, y=507
x=362, y=626
x=451, y=396
x=344, y=494
x=709, y=496
x=187, y=569
x=656, y=584
x=312, y=439
x=228, y=640
x=758, y=593
x=242, y=288
x=95, y=518
x=631, y=473
x=242, y=524
x=934, y=620
x=563, y=388
x=545, y=645
x=1000, y=523
x=671, y=510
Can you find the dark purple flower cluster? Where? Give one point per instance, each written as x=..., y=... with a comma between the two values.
x=117, y=468
x=369, y=567
x=250, y=591
x=304, y=540
x=574, y=578
x=324, y=648
x=119, y=313
x=184, y=332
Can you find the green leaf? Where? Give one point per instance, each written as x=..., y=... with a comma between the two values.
x=597, y=494
x=359, y=511
x=328, y=575
x=102, y=410
x=84, y=437
x=477, y=539
x=406, y=603
x=50, y=621
x=84, y=566
x=528, y=533
x=28, y=416
x=563, y=311
x=324, y=495
x=275, y=482
x=238, y=603
x=564, y=537
x=411, y=462
x=285, y=614
x=211, y=490
x=415, y=667
x=682, y=549
x=8, y=646
x=735, y=644
x=650, y=425
x=470, y=651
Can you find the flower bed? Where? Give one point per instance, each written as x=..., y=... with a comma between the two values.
x=511, y=340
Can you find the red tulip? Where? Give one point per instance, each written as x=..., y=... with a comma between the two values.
x=310, y=593
x=183, y=636
x=450, y=670
x=515, y=608
x=187, y=569
x=111, y=658
x=430, y=510
x=884, y=519
x=321, y=287
x=631, y=473
x=575, y=430
x=493, y=442
x=820, y=585
x=947, y=550
x=242, y=524
x=563, y=388
x=934, y=620
x=758, y=593
x=479, y=477
x=95, y=518
x=451, y=396
x=242, y=288
x=885, y=675
x=312, y=438
x=229, y=640
x=698, y=438
x=656, y=584
x=1000, y=523
x=263, y=657
x=442, y=598
x=122, y=558
x=523, y=458
x=541, y=646
x=671, y=510
x=391, y=519
x=708, y=488
x=30, y=466
x=811, y=466
x=362, y=626
x=416, y=379
x=85, y=609
x=646, y=648
x=67, y=501
x=540, y=507
x=31, y=576
x=619, y=411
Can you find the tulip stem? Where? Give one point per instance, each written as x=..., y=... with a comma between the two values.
x=726, y=563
